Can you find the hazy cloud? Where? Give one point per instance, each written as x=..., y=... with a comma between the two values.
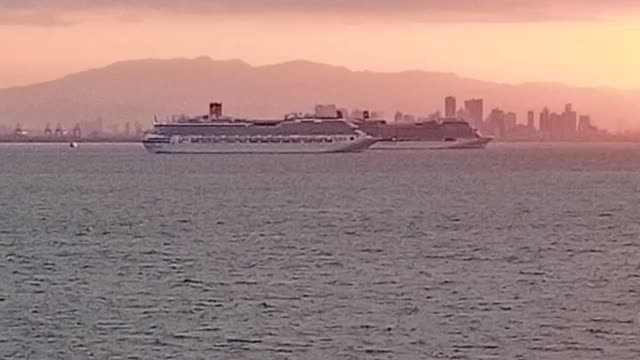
x=33, y=18
x=57, y=12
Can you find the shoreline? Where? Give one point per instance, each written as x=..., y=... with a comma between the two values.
x=138, y=141
x=67, y=141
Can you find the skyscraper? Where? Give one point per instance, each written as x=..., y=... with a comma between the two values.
x=450, y=107
x=545, y=122
x=556, y=126
x=569, y=122
x=496, y=123
x=531, y=116
x=510, y=122
x=584, y=124
x=475, y=111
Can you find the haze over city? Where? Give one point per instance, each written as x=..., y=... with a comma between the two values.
x=576, y=43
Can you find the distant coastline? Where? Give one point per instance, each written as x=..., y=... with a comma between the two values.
x=133, y=140
x=12, y=139
x=135, y=91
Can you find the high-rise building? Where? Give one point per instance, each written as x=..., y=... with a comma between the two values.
x=556, y=126
x=531, y=116
x=463, y=114
x=584, y=124
x=510, y=122
x=475, y=110
x=450, y=107
x=569, y=122
x=545, y=124
x=496, y=123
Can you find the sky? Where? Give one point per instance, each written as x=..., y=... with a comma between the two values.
x=584, y=43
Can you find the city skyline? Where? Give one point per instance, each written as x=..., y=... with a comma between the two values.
x=132, y=91
x=551, y=126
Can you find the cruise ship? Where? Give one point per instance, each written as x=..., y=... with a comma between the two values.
x=325, y=131
x=435, y=134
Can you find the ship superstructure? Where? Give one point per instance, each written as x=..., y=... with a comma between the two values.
x=324, y=131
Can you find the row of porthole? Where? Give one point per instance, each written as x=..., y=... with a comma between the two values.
x=274, y=140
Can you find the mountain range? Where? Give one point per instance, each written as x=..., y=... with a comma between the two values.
x=136, y=90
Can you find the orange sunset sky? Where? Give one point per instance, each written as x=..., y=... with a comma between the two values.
x=587, y=43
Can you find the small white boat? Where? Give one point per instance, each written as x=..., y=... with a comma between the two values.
x=73, y=145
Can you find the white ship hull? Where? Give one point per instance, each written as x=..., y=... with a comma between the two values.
x=475, y=143
x=358, y=144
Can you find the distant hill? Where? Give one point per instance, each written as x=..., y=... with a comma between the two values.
x=133, y=91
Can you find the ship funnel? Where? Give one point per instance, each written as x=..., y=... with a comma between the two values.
x=215, y=110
